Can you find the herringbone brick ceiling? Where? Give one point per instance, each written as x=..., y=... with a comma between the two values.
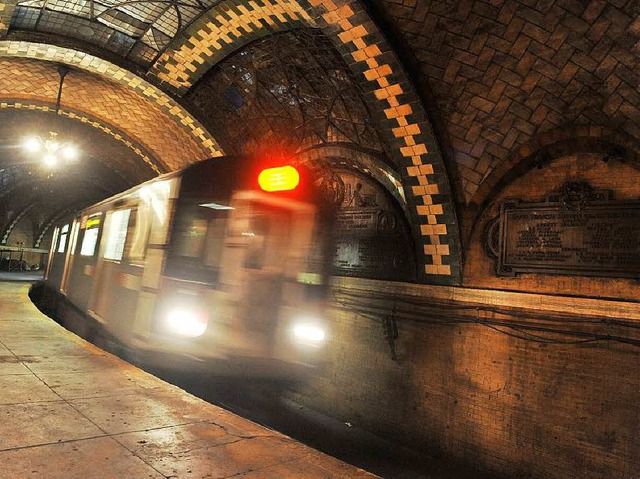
x=504, y=72
x=495, y=77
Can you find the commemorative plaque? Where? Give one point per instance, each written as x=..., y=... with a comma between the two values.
x=579, y=231
x=371, y=239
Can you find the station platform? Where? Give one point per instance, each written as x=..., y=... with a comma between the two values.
x=71, y=410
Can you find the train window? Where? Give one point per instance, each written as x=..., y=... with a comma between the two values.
x=140, y=223
x=91, y=226
x=54, y=239
x=155, y=208
x=256, y=236
x=64, y=232
x=190, y=241
x=74, y=237
x=268, y=237
x=116, y=234
x=216, y=229
x=197, y=241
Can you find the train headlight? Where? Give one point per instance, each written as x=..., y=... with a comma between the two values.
x=186, y=322
x=308, y=333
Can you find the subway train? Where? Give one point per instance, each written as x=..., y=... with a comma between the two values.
x=219, y=264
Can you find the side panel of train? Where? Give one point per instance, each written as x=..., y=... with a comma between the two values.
x=179, y=266
x=104, y=260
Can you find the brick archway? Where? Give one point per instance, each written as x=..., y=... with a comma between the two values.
x=402, y=119
x=117, y=99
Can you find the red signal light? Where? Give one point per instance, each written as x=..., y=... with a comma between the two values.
x=283, y=178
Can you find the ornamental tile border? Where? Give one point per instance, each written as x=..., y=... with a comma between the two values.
x=222, y=30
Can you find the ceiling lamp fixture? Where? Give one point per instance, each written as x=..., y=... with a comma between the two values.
x=53, y=150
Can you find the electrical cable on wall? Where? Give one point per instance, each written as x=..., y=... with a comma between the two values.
x=527, y=327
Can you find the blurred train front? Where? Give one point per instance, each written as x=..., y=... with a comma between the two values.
x=219, y=265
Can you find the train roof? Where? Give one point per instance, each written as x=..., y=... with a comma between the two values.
x=218, y=176
x=222, y=163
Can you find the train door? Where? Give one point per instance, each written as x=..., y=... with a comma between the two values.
x=80, y=273
x=130, y=260
x=118, y=272
x=264, y=253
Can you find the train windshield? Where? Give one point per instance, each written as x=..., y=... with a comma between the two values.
x=249, y=233
x=198, y=240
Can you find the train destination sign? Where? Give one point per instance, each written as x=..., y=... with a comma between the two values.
x=586, y=234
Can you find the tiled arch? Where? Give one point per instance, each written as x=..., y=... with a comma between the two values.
x=402, y=120
x=362, y=161
x=552, y=144
x=538, y=151
x=195, y=142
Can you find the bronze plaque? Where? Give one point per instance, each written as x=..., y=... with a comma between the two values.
x=584, y=234
x=370, y=243
x=372, y=238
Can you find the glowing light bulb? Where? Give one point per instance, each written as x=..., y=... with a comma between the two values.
x=32, y=145
x=50, y=160
x=69, y=152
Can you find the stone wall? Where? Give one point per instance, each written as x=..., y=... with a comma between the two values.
x=548, y=406
x=532, y=375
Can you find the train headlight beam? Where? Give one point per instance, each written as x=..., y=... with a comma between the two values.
x=186, y=322
x=309, y=332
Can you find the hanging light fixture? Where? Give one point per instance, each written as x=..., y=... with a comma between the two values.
x=53, y=150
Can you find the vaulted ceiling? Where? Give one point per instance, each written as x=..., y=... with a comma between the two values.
x=447, y=97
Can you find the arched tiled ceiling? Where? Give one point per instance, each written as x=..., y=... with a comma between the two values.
x=101, y=154
x=160, y=132
x=399, y=114
x=508, y=78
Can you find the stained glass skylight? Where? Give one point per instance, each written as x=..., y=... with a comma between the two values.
x=137, y=29
x=285, y=92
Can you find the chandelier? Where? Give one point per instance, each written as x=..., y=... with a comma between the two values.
x=52, y=150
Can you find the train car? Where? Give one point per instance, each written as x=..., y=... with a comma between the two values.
x=217, y=262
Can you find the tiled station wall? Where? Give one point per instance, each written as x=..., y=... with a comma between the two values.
x=620, y=178
x=512, y=407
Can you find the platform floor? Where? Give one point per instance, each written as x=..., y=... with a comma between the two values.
x=71, y=410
